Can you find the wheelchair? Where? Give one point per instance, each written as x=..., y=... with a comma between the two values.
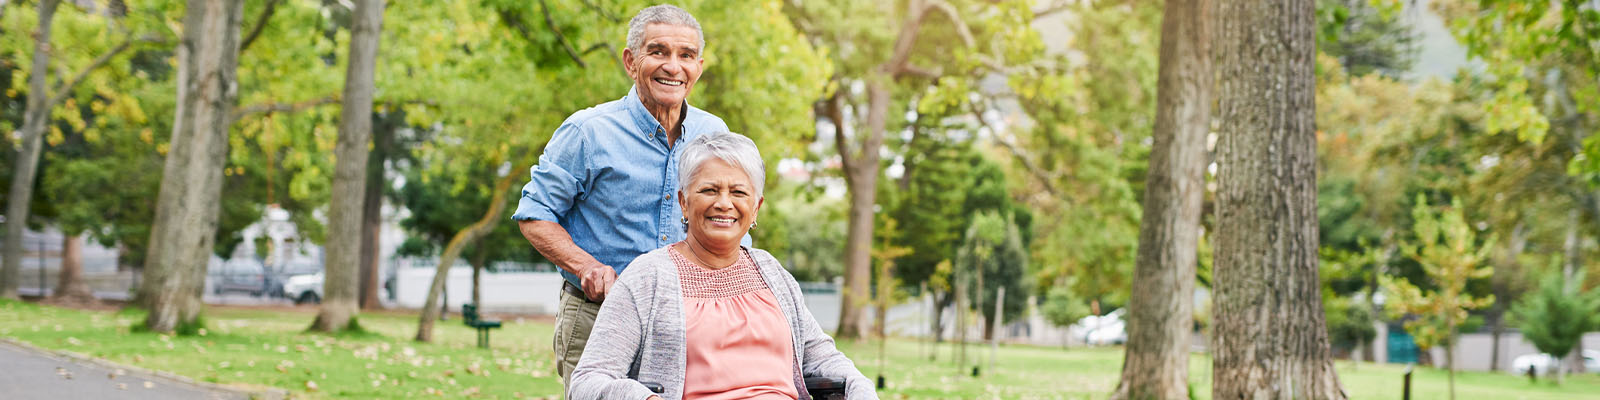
x=820, y=388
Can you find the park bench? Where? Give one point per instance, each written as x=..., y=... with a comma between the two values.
x=469, y=316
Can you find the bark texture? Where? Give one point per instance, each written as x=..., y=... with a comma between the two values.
x=185, y=224
x=34, y=119
x=1271, y=335
x=345, y=211
x=71, y=288
x=861, y=176
x=452, y=250
x=372, y=216
x=1161, y=309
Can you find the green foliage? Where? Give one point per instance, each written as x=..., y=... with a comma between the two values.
x=1093, y=117
x=933, y=206
x=1366, y=36
x=991, y=256
x=1062, y=308
x=812, y=229
x=1522, y=43
x=1449, y=252
x=1556, y=314
x=1349, y=322
x=443, y=205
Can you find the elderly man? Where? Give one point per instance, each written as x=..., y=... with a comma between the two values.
x=603, y=190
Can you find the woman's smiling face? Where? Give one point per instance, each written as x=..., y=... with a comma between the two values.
x=720, y=204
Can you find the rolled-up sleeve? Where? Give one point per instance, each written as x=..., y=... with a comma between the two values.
x=558, y=179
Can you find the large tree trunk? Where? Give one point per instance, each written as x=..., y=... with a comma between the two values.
x=345, y=209
x=34, y=120
x=861, y=176
x=71, y=287
x=185, y=224
x=1271, y=335
x=453, y=250
x=1161, y=309
x=372, y=216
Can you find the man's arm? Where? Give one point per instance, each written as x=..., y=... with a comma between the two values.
x=556, y=245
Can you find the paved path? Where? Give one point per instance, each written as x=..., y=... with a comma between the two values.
x=27, y=374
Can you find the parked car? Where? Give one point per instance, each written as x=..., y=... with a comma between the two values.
x=304, y=289
x=1102, y=330
x=1543, y=363
x=281, y=273
x=241, y=274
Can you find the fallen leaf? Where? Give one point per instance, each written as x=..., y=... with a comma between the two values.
x=311, y=386
x=149, y=385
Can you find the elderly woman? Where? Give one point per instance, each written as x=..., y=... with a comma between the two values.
x=707, y=318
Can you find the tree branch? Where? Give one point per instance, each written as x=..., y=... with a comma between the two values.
x=261, y=22
x=64, y=90
x=268, y=108
x=602, y=11
x=978, y=110
x=1054, y=7
x=612, y=51
x=836, y=114
x=898, y=64
x=560, y=37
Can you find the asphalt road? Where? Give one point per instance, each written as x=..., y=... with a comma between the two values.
x=27, y=374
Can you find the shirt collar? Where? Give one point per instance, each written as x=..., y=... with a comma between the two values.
x=647, y=123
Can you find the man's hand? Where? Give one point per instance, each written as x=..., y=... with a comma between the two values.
x=597, y=280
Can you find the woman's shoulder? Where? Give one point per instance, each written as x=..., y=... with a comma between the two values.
x=647, y=265
x=768, y=264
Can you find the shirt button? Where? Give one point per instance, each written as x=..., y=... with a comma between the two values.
x=663, y=237
x=668, y=197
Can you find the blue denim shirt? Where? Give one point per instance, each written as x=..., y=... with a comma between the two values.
x=609, y=178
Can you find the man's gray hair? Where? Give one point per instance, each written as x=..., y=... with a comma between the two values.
x=735, y=149
x=661, y=14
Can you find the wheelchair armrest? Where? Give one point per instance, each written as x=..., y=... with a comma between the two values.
x=654, y=387
x=825, y=388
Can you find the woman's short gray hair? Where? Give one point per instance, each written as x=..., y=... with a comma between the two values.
x=661, y=14
x=735, y=149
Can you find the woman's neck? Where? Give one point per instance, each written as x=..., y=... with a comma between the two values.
x=711, y=257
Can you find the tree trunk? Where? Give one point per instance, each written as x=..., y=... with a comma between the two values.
x=880, y=316
x=1161, y=309
x=478, y=262
x=1450, y=366
x=372, y=216
x=339, y=305
x=71, y=287
x=1271, y=333
x=940, y=302
x=453, y=250
x=34, y=121
x=861, y=176
x=185, y=224
x=1502, y=292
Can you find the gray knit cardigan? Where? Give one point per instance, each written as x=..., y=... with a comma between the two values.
x=639, y=335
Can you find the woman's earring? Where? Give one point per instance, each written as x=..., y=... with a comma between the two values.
x=685, y=220
x=753, y=224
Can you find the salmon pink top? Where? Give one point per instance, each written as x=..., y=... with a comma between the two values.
x=738, y=340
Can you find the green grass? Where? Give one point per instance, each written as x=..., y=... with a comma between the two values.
x=269, y=348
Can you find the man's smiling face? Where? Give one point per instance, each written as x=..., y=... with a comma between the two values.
x=666, y=66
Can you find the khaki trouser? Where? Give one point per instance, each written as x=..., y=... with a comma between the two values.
x=573, y=324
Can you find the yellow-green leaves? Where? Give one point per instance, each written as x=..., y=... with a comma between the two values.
x=1448, y=249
